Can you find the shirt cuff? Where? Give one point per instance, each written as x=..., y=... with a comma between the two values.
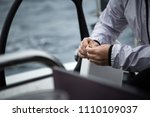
x=109, y=55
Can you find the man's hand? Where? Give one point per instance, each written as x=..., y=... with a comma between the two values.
x=98, y=54
x=87, y=42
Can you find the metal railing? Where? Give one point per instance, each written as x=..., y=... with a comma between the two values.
x=28, y=56
x=12, y=59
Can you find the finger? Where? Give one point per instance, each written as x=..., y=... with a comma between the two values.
x=83, y=46
x=85, y=43
x=102, y=62
x=82, y=51
x=95, y=62
x=94, y=57
x=93, y=50
x=87, y=39
x=81, y=54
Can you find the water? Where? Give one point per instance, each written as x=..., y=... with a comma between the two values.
x=46, y=25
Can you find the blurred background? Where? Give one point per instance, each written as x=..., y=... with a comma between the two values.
x=50, y=26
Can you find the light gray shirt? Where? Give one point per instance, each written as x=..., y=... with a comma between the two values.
x=113, y=20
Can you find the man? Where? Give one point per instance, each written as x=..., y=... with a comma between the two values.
x=113, y=20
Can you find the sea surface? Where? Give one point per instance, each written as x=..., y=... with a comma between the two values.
x=47, y=25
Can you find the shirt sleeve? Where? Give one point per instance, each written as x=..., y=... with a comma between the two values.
x=130, y=59
x=110, y=23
